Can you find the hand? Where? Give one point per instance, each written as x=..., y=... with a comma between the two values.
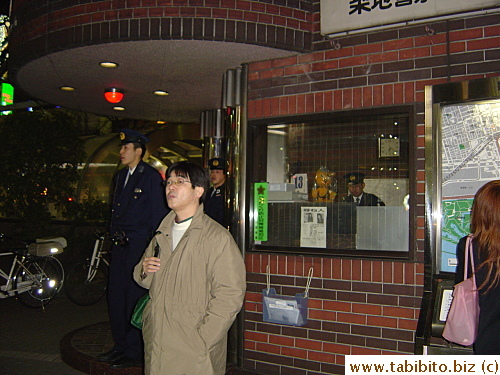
x=150, y=265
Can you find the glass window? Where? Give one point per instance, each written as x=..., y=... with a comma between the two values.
x=334, y=184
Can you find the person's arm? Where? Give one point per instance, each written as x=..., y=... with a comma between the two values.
x=140, y=276
x=377, y=201
x=228, y=287
x=112, y=226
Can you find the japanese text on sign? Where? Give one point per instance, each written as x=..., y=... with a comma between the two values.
x=344, y=16
x=260, y=211
x=359, y=6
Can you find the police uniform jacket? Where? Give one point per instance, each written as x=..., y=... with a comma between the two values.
x=367, y=199
x=139, y=206
x=214, y=203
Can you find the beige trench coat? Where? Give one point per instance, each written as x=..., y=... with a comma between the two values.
x=195, y=297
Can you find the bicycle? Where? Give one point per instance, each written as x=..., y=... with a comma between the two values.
x=35, y=276
x=86, y=283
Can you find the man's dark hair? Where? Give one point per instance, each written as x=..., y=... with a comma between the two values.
x=193, y=172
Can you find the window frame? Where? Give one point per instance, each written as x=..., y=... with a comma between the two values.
x=257, y=171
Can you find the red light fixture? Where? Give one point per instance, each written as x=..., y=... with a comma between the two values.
x=113, y=95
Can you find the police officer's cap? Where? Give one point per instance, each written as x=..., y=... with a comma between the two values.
x=131, y=136
x=354, y=178
x=217, y=163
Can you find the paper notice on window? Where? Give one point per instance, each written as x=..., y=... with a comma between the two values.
x=313, y=227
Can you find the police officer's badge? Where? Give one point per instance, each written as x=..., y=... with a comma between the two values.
x=122, y=136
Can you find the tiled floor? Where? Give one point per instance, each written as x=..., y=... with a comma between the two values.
x=80, y=347
x=62, y=339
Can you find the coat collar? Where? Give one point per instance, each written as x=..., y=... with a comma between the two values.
x=168, y=222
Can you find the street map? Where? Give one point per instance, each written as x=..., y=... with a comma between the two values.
x=470, y=158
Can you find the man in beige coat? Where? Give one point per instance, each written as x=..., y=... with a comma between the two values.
x=196, y=283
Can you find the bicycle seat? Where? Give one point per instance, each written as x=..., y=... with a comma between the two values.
x=61, y=240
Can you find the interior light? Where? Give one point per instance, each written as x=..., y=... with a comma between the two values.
x=108, y=64
x=277, y=132
x=113, y=94
x=67, y=88
x=161, y=93
x=119, y=108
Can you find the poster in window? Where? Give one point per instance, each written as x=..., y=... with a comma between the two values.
x=313, y=227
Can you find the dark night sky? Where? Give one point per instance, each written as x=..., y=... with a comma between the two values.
x=4, y=7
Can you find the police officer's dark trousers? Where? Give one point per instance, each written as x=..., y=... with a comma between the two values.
x=123, y=293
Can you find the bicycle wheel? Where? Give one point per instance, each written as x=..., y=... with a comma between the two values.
x=84, y=292
x=40, y=280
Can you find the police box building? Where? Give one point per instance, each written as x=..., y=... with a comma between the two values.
x=404, y=93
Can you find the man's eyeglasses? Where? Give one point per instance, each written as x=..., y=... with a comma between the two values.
x=178, y=182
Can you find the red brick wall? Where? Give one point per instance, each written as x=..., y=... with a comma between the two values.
x=48, y=26
x=356, y=306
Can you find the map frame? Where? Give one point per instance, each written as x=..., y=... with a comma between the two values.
x=462, y=154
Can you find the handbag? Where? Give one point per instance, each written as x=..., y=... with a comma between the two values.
x=463, y=317
x=136, y=320
x=141, y=303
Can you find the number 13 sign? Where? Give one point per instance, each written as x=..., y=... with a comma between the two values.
x=300, y=180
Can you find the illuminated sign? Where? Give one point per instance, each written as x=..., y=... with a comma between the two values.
x=260, y=211
x=7, y=96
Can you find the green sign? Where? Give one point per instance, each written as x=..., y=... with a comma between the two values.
x=260, y=211
x=7, y=97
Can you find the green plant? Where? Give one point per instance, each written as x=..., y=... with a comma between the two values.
x=41, y=154
x=89, y=211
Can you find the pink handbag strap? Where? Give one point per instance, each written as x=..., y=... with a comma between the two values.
x=468, y=253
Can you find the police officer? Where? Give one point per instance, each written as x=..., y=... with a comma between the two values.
x=356, y=186
x=138, y=207
x=215, y=198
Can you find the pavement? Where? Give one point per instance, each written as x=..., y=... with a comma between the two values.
x=60, y=339
x=31, y=337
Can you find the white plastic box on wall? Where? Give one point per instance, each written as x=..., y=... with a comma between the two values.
x=281, y=187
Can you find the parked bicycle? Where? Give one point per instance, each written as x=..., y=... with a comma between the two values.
x=35, y=276
x=86, y=283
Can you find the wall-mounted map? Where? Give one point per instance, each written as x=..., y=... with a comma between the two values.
x=470, y=158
